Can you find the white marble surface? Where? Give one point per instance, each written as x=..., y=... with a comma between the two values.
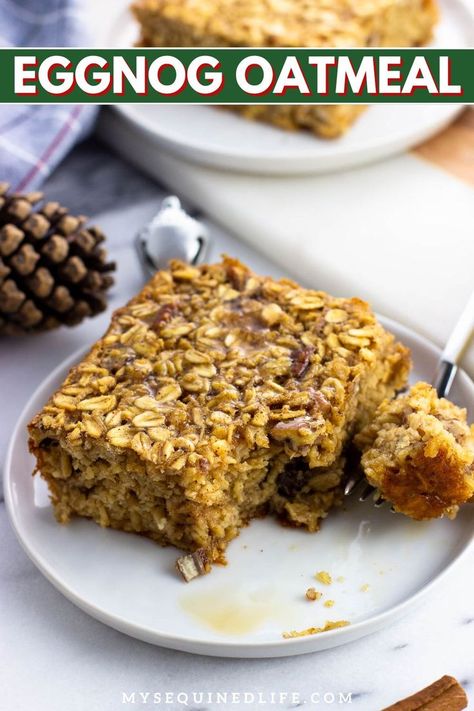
x=54, y=657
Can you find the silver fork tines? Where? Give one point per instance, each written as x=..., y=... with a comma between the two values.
x=442, y=382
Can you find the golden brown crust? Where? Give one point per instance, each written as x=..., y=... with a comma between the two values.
x=181, y=421
x=288, y=23
x=326, y=120
x=419, y=453
x=285, y=23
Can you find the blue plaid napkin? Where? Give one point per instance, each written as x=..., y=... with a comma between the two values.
x=34, y=139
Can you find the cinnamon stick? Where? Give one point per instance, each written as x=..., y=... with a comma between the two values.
x=443, y=695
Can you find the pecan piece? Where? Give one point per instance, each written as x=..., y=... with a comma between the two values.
x=193, y=565
x=164, y=314
x=300, y=359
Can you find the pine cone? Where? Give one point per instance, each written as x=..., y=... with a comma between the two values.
x=53, y=270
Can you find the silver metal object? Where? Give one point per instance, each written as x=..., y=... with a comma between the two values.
x=454, y=349
x=442, y=382
x=171, y=234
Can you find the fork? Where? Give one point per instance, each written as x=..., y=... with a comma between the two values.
x=442, y=382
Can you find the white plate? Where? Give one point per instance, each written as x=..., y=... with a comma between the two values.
x=224, y=140
x=241, y=610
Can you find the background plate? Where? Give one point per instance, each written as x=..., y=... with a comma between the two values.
x=241, y=610
x=224, y=140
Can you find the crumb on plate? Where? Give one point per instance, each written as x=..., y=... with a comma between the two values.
x=312, y=594
x=329, y=625
x=323, y=577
